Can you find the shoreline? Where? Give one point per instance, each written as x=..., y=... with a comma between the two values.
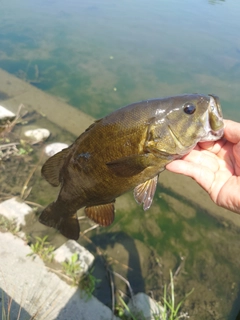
x=16, y=91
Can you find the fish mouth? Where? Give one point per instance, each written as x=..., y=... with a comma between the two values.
x=214, y=125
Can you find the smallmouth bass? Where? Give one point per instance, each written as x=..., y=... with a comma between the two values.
x=126, y=150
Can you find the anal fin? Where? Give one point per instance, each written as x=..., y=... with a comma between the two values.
x=102, y=214
x=145, y=191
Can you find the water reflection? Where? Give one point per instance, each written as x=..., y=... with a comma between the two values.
x=128, y=261
x=215, y=1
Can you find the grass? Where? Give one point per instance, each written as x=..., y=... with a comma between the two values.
x=73, y=269
x=87, y=282
x=42, y=248
x=167, y=309
x=8, y=225
x=171, y=310
x=9, y=312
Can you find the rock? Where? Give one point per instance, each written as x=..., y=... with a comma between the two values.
x=54, y=148
x=65, y=252
x=36, y=292
x=15, y=209
x=5, y=113
x=37, y=135
x=145, y=308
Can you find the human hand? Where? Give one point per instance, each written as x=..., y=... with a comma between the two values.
x=216, y=167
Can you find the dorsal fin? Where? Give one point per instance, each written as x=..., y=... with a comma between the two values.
x=52, y=167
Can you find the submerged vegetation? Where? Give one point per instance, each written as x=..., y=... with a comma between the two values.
x=142, y=246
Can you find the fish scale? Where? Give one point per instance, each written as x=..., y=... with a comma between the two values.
x=125, y=150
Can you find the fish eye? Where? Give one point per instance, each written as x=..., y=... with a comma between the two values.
x=189, y=108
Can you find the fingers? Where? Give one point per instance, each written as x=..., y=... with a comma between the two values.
x=203, y=158
x=199, y=165
x=232, y=131
x=236, y=154
x=212, y=146
x=202, y=174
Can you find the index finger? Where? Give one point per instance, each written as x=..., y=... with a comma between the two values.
x=232, y=131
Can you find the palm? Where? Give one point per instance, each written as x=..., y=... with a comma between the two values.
x=216, y=167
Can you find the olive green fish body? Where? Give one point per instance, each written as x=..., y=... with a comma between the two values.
x=125, y=150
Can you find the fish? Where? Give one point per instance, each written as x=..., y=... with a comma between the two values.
x=126, y=150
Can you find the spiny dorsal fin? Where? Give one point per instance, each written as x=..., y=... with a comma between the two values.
x=102, y=214
x=145, y=191
x=52, y=167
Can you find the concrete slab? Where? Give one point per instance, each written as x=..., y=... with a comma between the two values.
x=17, y=91
x=16, y=210
x=65, y=252
x=40, y=292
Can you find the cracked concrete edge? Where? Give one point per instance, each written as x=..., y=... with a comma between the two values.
x=38, y=291
x=19, y=92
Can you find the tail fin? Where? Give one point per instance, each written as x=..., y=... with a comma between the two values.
x=56, y=216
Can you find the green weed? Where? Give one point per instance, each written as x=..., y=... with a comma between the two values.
x=8, y=225
x=171, y=311
x=42, y=248
x=167, y=309
x=73, y=269
x=88, y=283
x=124, y=313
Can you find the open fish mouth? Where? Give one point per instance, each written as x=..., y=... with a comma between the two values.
x=214, y=125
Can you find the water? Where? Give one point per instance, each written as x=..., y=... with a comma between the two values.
x=101, y=55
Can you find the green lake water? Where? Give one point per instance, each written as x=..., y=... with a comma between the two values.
x=101, y=55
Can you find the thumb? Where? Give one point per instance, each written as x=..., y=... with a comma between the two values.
x=236, y=154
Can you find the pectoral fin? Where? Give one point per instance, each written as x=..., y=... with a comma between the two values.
x=102, y=214
x=144, y=192
x=130, y=166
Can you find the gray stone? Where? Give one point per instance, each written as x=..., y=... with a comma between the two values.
x=15, y=209
x=65, y=252
x=40, y=292
x=54, y=148
x=5, y=113
x=37, y=135
x=145, y=308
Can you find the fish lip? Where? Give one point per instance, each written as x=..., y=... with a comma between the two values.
x=218, y=132
x=214, y=118
x=213, y=136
